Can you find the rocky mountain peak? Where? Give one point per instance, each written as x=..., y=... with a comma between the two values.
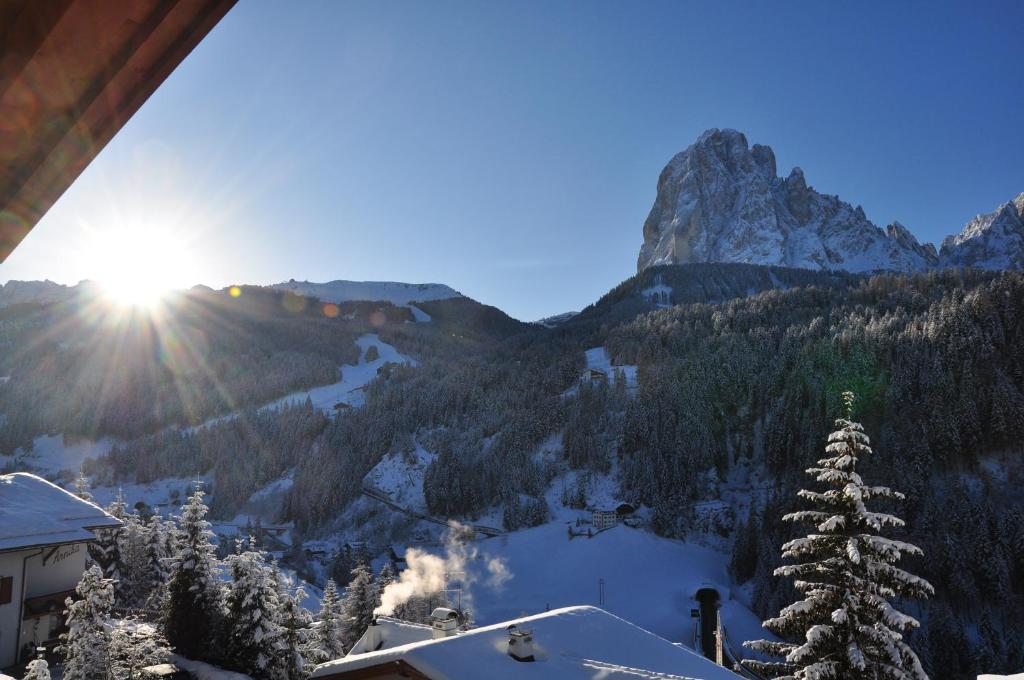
x=720, y=200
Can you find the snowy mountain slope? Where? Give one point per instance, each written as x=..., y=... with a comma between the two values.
x=385, y=291
x=994, y=240
x=354, y=377
x=648, y=580
x=720, y=200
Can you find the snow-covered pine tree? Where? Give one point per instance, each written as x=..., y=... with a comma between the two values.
x=253, y=635
x=193, y=606
x=295, y=626
x=385, y=578
x=357, y=609
x=82, y=487
x=157, y=553
x=846, y=572
x=85, y=645
x=326, y=643
x=104, y=550
x=132, y=587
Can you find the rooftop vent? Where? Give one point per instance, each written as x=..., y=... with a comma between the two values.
x=520, y=644
x=444, y=622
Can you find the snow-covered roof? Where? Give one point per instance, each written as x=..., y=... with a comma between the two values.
x=569, y=643
x=391, y=633
x=34, y=512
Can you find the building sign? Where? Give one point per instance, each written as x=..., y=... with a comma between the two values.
x=61, y=553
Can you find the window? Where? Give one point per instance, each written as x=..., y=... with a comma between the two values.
x=6, y=589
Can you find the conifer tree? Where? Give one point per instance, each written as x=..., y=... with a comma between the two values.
x=157, y=554
x=193, y=604
x=295, y=626
x=82, y=487
x=846, y=572
x=254, y=637
x=326, y=644
x=360, y=601
x=132, y=588
x=86, y=644
x=104, y=550
x=385, y=578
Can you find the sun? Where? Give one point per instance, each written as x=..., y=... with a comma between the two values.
x=139, y=267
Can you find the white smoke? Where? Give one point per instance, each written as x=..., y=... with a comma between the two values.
x=427, y=574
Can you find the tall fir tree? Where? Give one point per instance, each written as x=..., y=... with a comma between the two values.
x=85, y=646
x=253, y=635
x=295, y=627
x=82, y=487
x=104, y=550
x=385, y=578
x=357, y=609
x=846, y=572
x=193, y=606
x=326, y=643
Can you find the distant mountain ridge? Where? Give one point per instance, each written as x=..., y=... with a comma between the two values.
x=401, y=294
x=384, y=291
x=720, y=200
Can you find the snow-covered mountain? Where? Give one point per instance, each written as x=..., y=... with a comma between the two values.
x=721, y=200
x=386, y=291
x=994, y=240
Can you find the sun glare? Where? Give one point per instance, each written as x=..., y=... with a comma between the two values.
x=138, y=267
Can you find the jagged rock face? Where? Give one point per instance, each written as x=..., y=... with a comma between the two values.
x=721, y=201
x=991, y=241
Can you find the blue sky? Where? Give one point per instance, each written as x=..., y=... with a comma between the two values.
x=511, y=149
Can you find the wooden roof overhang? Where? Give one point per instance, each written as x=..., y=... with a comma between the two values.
x=72, y=72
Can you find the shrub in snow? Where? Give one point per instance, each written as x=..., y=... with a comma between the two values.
x=193, y=605
x=846, y=572
x=37, y=669
x=86, y=644
x=135, y=646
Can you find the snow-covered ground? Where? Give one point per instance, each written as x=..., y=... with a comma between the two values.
x=165, y=495
x=354, y=377
x=52, y=453
x=598, y=359
x=648, y=580
x=401, y=477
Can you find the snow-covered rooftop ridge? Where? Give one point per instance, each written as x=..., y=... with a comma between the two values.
x=385, y=291
x=34, y=512
x=391, y=633
x=568, y=643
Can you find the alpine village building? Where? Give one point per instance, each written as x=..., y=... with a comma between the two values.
x=44, y=533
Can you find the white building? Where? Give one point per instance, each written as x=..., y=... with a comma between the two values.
x=563, y=644
x=44, y=531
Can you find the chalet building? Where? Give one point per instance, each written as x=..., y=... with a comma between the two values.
x=44, y=531
x=564, y=644
x=604, y=519
x=594, y=376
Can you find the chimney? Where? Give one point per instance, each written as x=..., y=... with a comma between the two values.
x=520, y=644
x=373, y=636
x=444, y=622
